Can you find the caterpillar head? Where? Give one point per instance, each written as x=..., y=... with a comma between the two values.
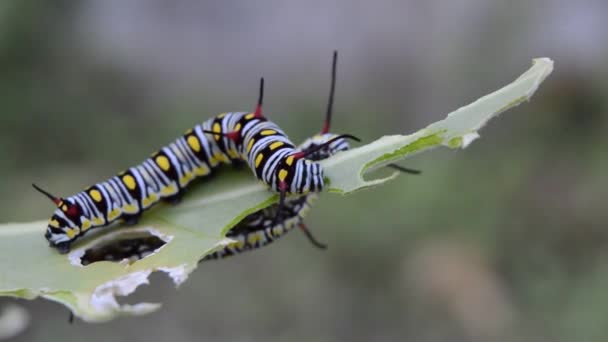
x=63, y=226
x=318, y=140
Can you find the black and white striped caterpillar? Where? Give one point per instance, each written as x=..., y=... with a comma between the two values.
x=227, y=138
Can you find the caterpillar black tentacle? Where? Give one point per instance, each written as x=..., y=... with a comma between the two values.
x=404, y=169
x=311, y=237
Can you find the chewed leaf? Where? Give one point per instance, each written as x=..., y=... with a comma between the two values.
x=458, y=129
x=172, y=239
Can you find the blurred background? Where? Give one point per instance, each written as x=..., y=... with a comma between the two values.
x=506, y=240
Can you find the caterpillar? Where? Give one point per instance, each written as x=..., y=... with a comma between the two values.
x=224, y=139
x=261, y=227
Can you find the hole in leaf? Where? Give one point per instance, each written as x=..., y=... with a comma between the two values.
x=158, y=283
x=129, y=247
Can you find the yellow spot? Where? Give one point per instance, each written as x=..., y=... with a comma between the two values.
x=253, y=238
x=98, y=221
x=238, y=244
x=221, y=115
x=237, y=127
x=277, y=231
x=289, y=160
x=194, y=144
x=64, y=207
x=146, y=202
x=60, y=203
x=268, y=132
x=186, y=178
x=86, y=224
x=70, y=232
x=95, y=195
x=276, y=145
x=220, y=157
x=258, y=159
x=129, y=182
x=282, y=175
x=201, y=171
x=113, y=214
x=130, y=208
x=249, y=116
x=54, y=223
x=189, y=131
x=163, y=163
x=233, y=153
x=250, y=145
x=167, y=191
x=217, y=128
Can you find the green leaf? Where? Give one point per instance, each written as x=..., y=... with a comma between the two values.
x=196, y=227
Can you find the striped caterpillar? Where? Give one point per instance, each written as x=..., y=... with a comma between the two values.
x=227, y=138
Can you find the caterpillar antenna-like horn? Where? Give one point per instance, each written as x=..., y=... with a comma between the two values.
x=330, y=102
x=303, y=154
x=55, y=199
x=258, y=108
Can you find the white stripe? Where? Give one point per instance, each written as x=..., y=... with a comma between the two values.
x=138, y=172
x=82, y=204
